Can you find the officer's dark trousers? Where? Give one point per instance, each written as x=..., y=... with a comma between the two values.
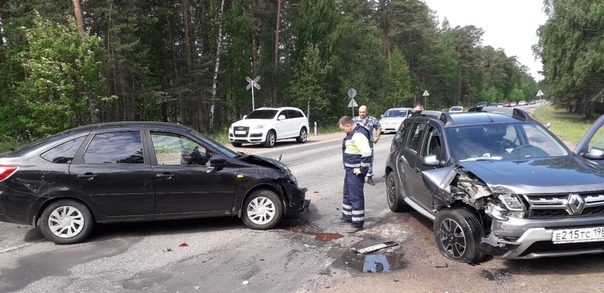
x=353, y=205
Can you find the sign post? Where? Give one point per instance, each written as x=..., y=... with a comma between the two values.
x=253, y=83
x=351, y=94
x=425, y=95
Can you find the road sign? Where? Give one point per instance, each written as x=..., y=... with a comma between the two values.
x=252, y=83
x=352, y=103
x=352, y=93
x=540, y=93
x=426, y=93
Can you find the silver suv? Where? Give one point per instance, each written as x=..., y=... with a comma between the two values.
x=267, y=125
x=499, y=184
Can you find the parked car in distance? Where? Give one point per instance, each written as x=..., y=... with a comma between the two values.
x=492, y=105
x=392, y=119
x=499, y=184
x=500, y=105
x=267, y=125
x=513, y=104
x=139, y=171
x=481, y=104
x=522, y=103
x=506, y=104
x=456, y=109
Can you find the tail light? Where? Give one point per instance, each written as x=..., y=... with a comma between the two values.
x=7, y=171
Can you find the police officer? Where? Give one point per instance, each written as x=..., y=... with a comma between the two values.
x=356, y=156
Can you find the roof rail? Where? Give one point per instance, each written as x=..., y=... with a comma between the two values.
x=445, y=117
x=521, y=114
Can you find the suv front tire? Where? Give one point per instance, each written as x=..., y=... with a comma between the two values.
x=457, y=232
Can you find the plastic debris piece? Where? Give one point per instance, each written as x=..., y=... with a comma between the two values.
x=316, y=191
x=376, y=247
x=167, y=250
x=245, y=282
x=184, y=244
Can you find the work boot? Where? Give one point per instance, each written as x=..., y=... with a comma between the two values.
x=370, y=180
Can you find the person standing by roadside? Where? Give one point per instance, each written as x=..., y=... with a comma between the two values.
x=418, y=108
x=356, y=156
x=370, y=123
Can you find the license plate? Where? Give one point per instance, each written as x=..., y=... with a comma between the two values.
x=578, y=235
x=239, y=131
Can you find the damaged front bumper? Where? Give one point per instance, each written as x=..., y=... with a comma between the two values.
x=296, y=199
x=530, y=238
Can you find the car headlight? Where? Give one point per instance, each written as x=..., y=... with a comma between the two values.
x=506, y=206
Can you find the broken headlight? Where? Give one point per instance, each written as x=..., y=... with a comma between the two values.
x=505, y=206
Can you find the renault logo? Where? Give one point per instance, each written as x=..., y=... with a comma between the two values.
x=574, y=204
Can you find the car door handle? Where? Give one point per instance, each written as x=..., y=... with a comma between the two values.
x=86, y=176
x=164, y=175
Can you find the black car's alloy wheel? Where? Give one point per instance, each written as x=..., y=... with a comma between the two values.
x=66, y=222
x=262, y=210
x=457, y=233
x=395, y=202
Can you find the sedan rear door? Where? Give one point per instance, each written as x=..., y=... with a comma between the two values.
x=114, y=172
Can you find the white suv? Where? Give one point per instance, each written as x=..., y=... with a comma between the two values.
x=267, y=125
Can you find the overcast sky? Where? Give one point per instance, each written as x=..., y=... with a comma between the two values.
x=510, y=25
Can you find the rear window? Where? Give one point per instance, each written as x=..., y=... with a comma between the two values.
x=63, y=153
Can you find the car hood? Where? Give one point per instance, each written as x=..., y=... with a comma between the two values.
x=550, y=175
x=392, y=119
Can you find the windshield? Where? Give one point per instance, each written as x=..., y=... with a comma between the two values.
x=503, y=142
x=262, y=114
x=396, y=113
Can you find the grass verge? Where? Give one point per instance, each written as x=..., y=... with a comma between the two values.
x=567, y=126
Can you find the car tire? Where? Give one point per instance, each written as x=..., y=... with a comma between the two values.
x=271, y=138
x=303, y=135
x=458, y=232
x=395, y=202
x=262, y=210
x=66, y=222
x=236, y=144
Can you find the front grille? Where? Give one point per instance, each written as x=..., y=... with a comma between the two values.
x=241, y=131
x=547, y=206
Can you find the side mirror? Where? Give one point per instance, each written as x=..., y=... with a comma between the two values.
x=216, y=164
x=281, y=117
x=244, y=116
x=431, y=160
x=594, y=154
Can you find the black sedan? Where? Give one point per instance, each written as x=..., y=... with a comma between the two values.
x=139, y=171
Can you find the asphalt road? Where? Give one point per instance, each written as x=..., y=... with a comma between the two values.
x=305, y=253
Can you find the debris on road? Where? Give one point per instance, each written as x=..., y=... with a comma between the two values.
x=376, y=247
